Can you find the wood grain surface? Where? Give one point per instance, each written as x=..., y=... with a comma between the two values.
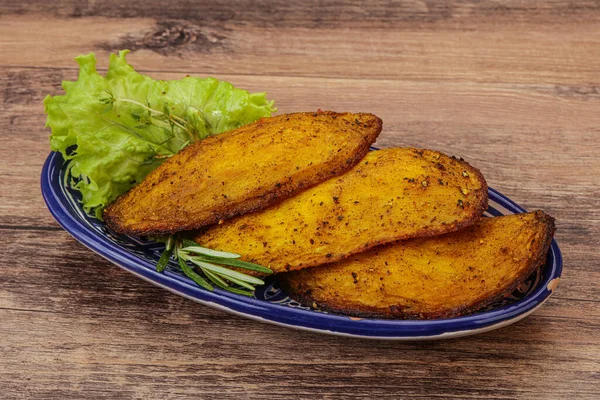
x=513, y=86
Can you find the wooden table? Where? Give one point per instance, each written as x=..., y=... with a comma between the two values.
x=511, y=86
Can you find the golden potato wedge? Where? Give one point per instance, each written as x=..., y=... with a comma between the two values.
x=391, y=194
x=437, y=277
x=243, y=170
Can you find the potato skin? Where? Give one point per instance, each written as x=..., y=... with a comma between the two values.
x=391, y=194
x=243, y=170
x=441, y=277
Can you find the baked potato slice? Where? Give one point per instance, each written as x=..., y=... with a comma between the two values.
x=243, y=170
x=439, y=277
x=391, y=194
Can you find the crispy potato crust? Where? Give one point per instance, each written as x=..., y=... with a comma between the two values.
x=391, y=194
x=243, y=170
x=440, y=277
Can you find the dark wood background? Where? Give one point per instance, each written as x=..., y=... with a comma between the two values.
x=512, y=86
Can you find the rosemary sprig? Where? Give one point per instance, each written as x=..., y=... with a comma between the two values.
x=213, y=264
x=166, y=255
x=154, y=116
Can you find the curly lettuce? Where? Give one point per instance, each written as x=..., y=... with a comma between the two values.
x=115, y=129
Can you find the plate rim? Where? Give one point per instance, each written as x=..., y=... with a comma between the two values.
x=297, y=318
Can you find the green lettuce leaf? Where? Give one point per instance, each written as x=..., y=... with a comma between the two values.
x=115, y=129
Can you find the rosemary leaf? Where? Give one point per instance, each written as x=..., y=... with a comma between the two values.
x=215, y=253
x=189, y=272
x=187, y=242
x=240, y=291
x=170, y=242
x=239, y=282
x=235, y=263
x=216, y=279
x=226, y=272
x=219, y=282
x=164, y=259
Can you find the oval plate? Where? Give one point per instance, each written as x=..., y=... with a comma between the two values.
x=270, y=304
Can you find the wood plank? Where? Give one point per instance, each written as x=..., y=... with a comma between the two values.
x=88, y=323
x=137, y=360
x=511, y=85
x=314, y=13
x=424, y=47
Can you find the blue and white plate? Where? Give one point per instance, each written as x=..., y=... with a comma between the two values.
x=270, y=303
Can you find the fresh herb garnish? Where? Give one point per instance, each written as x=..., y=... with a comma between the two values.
x=166, y=254
x=115, y=129
x=193, y=258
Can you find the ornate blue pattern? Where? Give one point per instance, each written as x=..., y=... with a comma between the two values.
x=139, y=256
